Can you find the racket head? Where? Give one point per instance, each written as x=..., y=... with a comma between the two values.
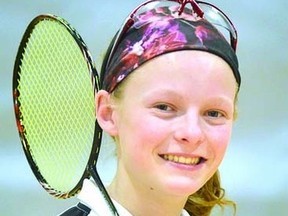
x=54, y=86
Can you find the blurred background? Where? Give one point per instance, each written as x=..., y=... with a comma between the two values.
x=254, y=172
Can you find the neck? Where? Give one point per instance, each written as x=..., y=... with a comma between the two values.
x=140, y=200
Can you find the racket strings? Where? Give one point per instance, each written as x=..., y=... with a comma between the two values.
x=57, y=104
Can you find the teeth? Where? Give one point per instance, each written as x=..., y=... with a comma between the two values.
x=182, y=160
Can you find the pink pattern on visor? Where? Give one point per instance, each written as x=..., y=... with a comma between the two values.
x=162, y=30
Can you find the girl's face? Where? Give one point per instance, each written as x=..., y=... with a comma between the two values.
x=173, y=122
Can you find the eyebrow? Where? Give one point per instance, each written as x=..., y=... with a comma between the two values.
x=168, y=91
x=222, y=101
x=164, y=92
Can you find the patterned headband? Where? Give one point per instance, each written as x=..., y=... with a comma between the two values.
x=160, y=31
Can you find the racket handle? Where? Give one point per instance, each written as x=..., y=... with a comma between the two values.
x=95, y=176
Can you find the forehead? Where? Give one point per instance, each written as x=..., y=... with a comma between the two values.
x=189, y=63
x=190, y=71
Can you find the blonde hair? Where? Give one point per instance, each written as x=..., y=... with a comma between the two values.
x=207, y=197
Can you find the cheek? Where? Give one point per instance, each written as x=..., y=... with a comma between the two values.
x=138, y=150
x=138, y=136
x=219, y=140
x=147, y=130
x=143, y=140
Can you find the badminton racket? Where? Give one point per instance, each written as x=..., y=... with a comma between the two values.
x=54, y=87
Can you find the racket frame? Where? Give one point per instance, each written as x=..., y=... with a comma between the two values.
x=17, y=104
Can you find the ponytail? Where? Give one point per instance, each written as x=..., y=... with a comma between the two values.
x=206, y=198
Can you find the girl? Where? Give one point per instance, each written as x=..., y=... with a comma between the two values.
x=169, y=81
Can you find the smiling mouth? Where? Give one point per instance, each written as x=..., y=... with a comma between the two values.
x=183, y=160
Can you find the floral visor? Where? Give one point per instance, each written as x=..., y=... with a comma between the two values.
x=162, y=30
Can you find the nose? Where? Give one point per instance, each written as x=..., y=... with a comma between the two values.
x=190, y=129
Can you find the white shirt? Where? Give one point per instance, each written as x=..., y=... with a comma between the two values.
x=92, y=197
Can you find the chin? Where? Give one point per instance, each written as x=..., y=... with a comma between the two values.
x=184, y=186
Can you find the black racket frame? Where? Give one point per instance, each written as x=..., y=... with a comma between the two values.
x=91, y=165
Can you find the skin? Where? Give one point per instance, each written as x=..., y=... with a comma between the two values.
x=177, y=108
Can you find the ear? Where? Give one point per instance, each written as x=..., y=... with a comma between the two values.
x=105, y=113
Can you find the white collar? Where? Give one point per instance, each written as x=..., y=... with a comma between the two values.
x=91, y=196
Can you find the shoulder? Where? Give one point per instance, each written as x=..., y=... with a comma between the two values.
x=78, y=210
